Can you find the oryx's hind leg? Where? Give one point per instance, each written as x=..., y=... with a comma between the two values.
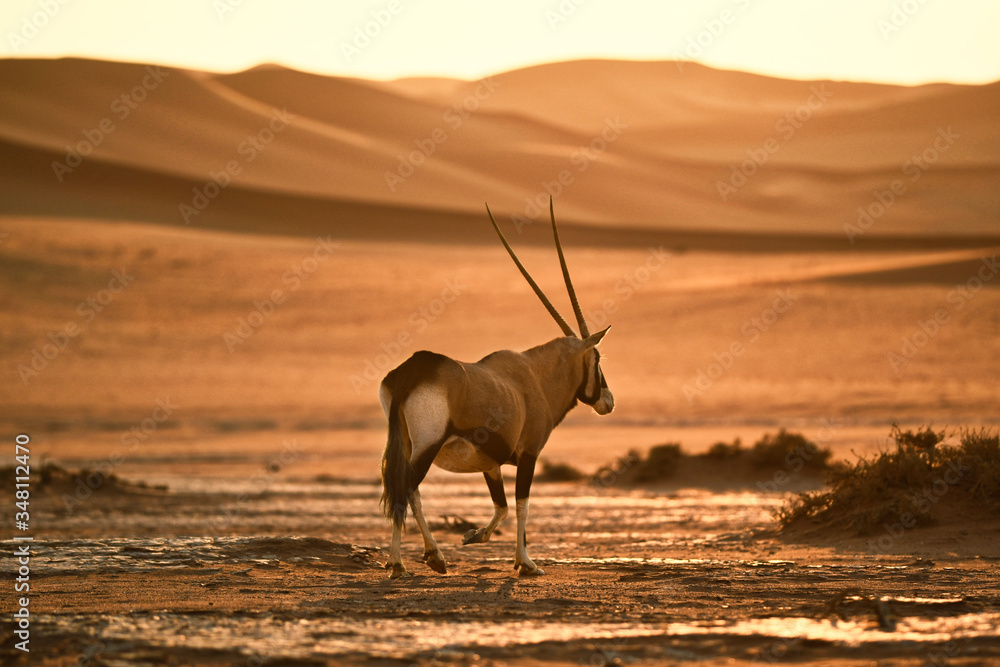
x=494, y=480
x=395, y=564
x=425, y=418
x=432, y=554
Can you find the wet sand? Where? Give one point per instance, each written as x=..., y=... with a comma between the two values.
x=230, y=575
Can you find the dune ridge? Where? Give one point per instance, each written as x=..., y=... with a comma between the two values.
x=657, y=146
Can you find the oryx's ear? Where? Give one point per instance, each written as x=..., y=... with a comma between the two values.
x=593, y=339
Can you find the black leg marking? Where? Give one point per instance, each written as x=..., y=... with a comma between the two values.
x=525, y=474
x=495, y=485
x=494, y=481
x=522, y=487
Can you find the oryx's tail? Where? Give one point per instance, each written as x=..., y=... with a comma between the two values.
x=397, y=473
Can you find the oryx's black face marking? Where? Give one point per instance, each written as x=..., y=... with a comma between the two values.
x=593, y=384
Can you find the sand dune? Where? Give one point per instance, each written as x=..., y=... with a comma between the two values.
x=649, y=145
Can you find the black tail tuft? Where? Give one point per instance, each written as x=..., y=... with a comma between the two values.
x=397, y=473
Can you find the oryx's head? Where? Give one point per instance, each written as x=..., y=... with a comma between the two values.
x=593, y=387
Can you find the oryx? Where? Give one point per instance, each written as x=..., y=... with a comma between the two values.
x=474, y=417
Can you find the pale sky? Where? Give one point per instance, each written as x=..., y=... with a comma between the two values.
x=898, y=41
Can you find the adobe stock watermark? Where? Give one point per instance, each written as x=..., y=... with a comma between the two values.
x=392, y=350
x=34, y=23
x=900, y=15
x=581, y=158
x=99, y=472
x=784, y=129
x=260, y=483
x=225, y=7
x=86, y=311
x=777, y=650
x=914, y=167
x=798, y=458
x=293, y=279
x=948, y=652
x=607, y=651
x=752, y=330
x=627, y=286
x=712, y=29
x=121, y=107
x=562, y=12
x=608, y=476
x=453, y=118
x=248, y=150
x=370, y=30
x=956, y=299
x=922, y=502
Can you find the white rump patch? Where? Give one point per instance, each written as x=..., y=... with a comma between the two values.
x=426, y=416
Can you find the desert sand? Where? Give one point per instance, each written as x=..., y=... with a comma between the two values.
x=205, y=273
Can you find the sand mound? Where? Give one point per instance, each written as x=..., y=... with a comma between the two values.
x=928, y=490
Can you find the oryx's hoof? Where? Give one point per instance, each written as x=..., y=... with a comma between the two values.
x=528, y=569
x=435, y=561
x=397, y=570
x=475, y=536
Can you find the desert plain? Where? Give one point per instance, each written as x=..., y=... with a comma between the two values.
x=206, y=276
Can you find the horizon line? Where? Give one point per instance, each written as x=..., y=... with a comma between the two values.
x=405, y=77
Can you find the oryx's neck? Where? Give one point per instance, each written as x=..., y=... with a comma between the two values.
x=559, y=374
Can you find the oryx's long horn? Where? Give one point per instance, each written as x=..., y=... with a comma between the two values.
x=584, y=332
x=566, y=328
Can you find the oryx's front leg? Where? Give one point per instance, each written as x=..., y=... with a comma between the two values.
x=494, y=480
x=525, y=473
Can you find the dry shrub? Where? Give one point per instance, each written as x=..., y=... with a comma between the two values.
x=908, y=480
x=726, y=463
x=774, y=451
x=660, y=463
x=723, y=451
x=558, y=472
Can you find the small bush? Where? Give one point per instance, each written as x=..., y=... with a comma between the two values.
x=775, y=451
x=883, y=488
x=924, y=440
x=723, y=465
x=559, y=472
x=722, y=450
x=980, y=452
x=661, y=463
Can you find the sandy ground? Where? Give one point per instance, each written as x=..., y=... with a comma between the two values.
x=230, y=573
